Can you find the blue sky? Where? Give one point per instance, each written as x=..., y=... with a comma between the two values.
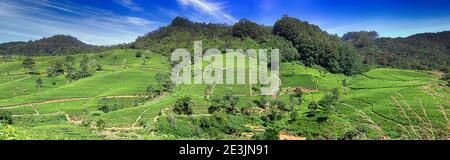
x=105, y=22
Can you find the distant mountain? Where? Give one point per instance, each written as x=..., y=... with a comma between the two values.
x=442, y=38
x=424, y=51
x=55, y=45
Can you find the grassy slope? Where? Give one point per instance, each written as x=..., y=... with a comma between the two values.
x=124, y=74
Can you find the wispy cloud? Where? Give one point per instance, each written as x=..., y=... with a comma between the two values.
x=213, y=10
x=33, y=19
x=130, y=4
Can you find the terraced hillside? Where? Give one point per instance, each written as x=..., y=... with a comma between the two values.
x=119, y=101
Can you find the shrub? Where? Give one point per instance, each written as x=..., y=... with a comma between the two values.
x=95, y=114
x=101, y=124
x=262, y=102
x=275, y=115
x=279, y=105
x=228, y=104
x=106, y=106
x=183, y=106
x=312, y=109
x=5, y=117
x=138, y=54
x=268, y=134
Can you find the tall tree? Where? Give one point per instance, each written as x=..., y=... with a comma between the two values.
x=39, y=84
x=87, y=66
x=56, y=69
x=70, y=68
x=29, y=64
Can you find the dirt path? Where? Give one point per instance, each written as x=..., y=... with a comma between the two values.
x=145, y=111
x=140, y=117
x=61, y=100
x=124, y=128
x=48, y=114
x=163, y=113
x=289, y=136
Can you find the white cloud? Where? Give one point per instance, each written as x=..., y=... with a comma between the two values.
x=129, y=4
x=213, y=10
x=138, y=21
x=25, y=20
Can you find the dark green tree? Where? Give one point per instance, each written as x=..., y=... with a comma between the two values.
x=312, y=109
x=138, y=54
x=183, y=106
x=262, y=102
x=56, y=69
x=228, y=103
x=279, y=105
x=316, y=47
x=87, y=67
x=100, y=124
x=29, y=64
x=361, y=39
x=39, y=84
x=245, y=28
x=5, y=117
x=70, y=68
x=296, y=99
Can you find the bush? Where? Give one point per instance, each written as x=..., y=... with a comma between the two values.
x=312, y=109
x=330, y=98
x=138, y=54
x=183, y=106
x=101, y=124
x=262, y=102
x=95, y=114
x=447, y=79
x=106, y=106
x=280, y=105
x=275, y=115
x=269, y=134
x=5, y=117
x=8, y=132
x=228, y=104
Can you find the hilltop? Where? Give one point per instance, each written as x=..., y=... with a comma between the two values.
x=298, y=40
x=308, y=43
x=55, y=45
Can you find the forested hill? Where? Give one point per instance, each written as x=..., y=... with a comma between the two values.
x=297, y=41
x=426, y=51
x=55, y=45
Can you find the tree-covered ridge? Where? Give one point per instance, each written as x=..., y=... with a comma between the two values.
x=297, y=41
x=55, y=45
x=425, y=51
x=317, y=47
